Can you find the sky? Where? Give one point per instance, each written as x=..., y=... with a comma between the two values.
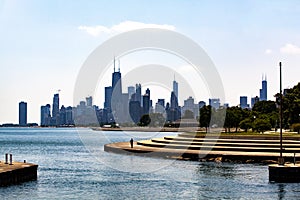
x=44, y=44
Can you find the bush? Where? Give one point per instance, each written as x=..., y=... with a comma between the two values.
x=296, y=127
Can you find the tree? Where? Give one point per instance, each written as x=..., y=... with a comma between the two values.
x=145, y=120
x=233, y=118
x=246, y=124
x=261, y=125
x=188, y=115
x=265, y=107
x=205, y=117
x=296, y=127
x=157, y=119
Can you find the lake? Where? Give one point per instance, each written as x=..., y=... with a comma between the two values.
x=73, y=165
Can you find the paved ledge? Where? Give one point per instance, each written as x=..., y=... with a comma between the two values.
x=17, y=173
x=254, y=150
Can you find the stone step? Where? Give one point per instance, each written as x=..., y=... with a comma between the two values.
x=180, y=138
x=216, y=147
x=224, y=143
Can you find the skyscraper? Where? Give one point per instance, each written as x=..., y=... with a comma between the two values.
x=22, y=113
x=116, y=83
x=131, y=91
x=107, y=96
x=175, y=88
x=146, y=104
x=138, y=93
x=244, y=102
x=45, y=115
x=89, y=101
x=55, y=106
x=263, y=90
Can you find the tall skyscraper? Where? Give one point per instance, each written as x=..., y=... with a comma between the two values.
x=131, y=91
x=107, y=96
x=146, y=104
x=116, y=82
x=55, y=106
x=244, y=102
x=263, y=90
x=45, y=115
x=22, y=113
x=138, y=93
x=175, y=88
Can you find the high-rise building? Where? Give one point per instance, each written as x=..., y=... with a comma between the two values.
x=89, y=101
x=146, y=104
x=138, y=93
x=55, y=106
x=201, y=104
x=215, y=103
x=254, y=100
x=131, y=91
x=244, y=102
x=22, y=113
x=175, y=88
x=45, y=115
x=107, y=96
x=263, y=90
x=116, y=83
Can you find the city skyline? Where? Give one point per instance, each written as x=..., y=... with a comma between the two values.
x=45, y=44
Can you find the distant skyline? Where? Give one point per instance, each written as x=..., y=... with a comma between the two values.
x=44, y=44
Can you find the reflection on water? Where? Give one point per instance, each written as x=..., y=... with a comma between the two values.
x=67, y=170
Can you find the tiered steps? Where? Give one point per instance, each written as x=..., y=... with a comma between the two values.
x=195, y=147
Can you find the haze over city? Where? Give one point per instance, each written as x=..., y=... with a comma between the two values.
x=44, y=44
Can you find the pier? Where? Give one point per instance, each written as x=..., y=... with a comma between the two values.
x=16, y=172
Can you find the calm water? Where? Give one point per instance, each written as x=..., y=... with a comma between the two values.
x=68, y=169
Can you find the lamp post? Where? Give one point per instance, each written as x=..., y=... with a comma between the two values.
x=280, y=159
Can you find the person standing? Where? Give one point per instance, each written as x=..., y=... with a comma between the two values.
x=131, y=143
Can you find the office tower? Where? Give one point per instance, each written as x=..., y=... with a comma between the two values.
x=135, y=111
x=244, y=102
x=263, y=90
x=107, y=96
x=116, y=82
x=138, y=93
x=226, y=105
x=62, y=115
x=174, y=100
x=254, y=100
x=131, y=91
x=160, y=106
x=89, y=101
x=69, y=116
x=146, y=104
x=201, y=104
x=175, y=88
x=22, y=113
x=214, y=103
x=55, y=106
x=45, y=115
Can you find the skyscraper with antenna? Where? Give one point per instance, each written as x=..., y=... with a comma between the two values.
x=263, y=91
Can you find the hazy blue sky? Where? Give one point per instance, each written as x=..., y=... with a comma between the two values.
x=44, y=43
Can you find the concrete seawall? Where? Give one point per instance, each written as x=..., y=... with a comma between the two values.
x=17, y=172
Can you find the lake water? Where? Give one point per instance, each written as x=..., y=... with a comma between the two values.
x=73, y=165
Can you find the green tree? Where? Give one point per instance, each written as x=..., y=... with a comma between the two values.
x=265, y=107
x=261, y=125
x=188, y=115
x=296, y=127
x=157, y=119
x=246, y=124
x=205, y=117
x=145, y=120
